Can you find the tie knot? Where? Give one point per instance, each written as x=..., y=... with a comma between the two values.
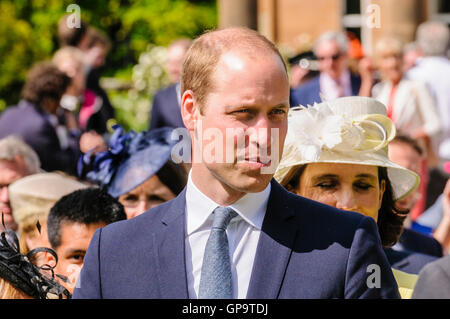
x=222, y=217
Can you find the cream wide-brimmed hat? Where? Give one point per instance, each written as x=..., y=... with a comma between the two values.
x=349, y=130
x=33, y=196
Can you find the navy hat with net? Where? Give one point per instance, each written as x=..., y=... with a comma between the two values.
x=130, y=160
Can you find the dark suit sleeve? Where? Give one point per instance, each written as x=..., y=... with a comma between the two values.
x=369, y=274
x=433, y=283
x=89, y=283
x=155, y=116
x=46, y=144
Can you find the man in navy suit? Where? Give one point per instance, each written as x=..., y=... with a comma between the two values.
x=35, y=120
x=167, y=101
x=278, y=245
x=335, y=79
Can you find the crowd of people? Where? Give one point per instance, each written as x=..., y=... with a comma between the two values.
x=361, y=155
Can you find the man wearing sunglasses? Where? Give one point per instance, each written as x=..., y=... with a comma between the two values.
x=335, y=79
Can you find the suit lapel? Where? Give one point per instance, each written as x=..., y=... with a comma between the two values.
x=355, y=83
x=170, y=257
x=274, y=247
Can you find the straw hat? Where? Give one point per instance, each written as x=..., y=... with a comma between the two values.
x=34, y=195
x=351, y=130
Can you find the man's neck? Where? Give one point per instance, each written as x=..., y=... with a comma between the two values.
x=213, y=188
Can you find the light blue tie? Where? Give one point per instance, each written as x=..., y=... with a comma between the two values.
x=215, y=279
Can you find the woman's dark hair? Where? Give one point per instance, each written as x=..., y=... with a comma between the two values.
x=44, y=81
x=173, y=176
x=390, y=218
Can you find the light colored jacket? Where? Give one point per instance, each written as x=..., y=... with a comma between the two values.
x=414, y=107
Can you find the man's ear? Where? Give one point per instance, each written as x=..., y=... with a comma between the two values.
x=189, y=110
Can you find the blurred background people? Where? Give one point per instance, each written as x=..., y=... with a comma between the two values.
x=335, y=79
x=302, y=68
x=35, y=118
x=31, y=199
x=71, y=224
x=433, y=68
x=96, y=111
x=71, y=61
x=166, y=109
x=137, y=169
x=410, y=105
x=411, y=56
x=17, y=160
x=406, y=152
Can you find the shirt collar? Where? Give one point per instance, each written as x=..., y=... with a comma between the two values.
x=199, y=207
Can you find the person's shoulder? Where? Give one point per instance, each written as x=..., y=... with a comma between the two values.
x=408, y=261
x=314, y=82
x=22, y=116
x=307, y=93
x=442, y=264
x=145, y=224
x=166, y=90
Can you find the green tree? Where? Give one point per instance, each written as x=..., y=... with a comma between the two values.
x=28, y=32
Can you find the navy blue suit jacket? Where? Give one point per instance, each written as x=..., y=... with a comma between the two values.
x=166, y=109
x=33, y=125
x=309, y=92
x=414, y=241
x=306, y=250
x=408, y=261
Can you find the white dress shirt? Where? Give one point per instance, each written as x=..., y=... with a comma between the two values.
x=332, y=89
x=414, y=107
x=243, y=235
x=435, y=72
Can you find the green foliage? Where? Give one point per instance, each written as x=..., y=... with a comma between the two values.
x=28, y=35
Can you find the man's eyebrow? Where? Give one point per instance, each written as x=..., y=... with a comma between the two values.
x=283, y=105
x=76, y=251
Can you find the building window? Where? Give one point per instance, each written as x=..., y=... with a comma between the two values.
x=439, y=10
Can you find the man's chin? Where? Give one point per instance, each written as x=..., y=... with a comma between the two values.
x=252, y=183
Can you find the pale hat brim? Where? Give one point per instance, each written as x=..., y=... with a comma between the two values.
x=36, y=194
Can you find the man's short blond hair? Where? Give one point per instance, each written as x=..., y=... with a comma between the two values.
x=203, y=55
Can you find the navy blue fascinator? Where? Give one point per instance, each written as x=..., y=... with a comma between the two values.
x=130, y=160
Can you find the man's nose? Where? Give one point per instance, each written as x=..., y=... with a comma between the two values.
x=261, y=132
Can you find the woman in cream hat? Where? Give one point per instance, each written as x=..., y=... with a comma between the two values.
x=335, y=152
